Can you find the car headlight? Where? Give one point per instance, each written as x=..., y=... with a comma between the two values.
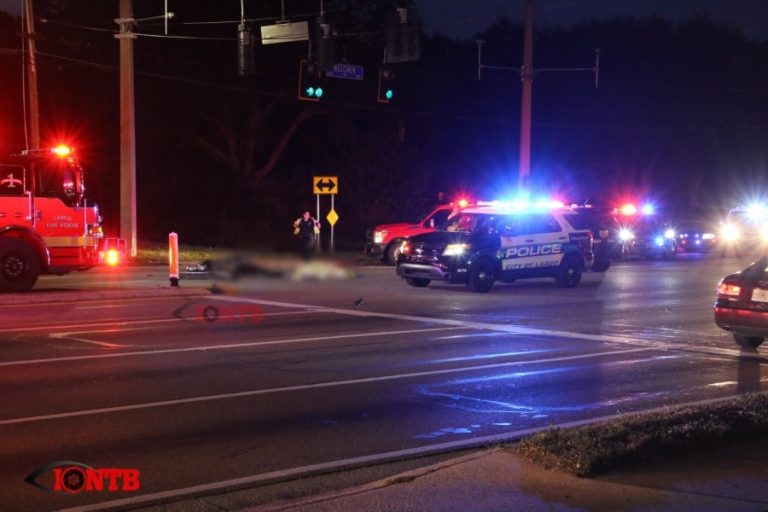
x=455, y=249
x=378, y=236
x=626, y=235
x=731, y=233
x=708, y=236
x=669, y=234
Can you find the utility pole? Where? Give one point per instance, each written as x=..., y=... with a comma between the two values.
x=527, y=72
x=526, y=75
x=127, y=128
x=31, y=72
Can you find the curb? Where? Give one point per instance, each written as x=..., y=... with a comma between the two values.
x=395, y=479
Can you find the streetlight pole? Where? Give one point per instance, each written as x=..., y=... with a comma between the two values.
x=526, y=74
x=31, y=75
x=127, y=128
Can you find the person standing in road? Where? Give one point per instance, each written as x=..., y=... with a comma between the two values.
x=307, y=229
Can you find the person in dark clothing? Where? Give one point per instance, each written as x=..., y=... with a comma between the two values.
x=307, y=228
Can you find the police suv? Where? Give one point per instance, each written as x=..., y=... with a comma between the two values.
x=499, y=242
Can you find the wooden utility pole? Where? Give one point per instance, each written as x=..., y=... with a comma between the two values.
x=127, y=128
x=526, y=74
x=33, y=113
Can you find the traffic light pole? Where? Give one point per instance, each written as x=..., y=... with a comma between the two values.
x=127, y=128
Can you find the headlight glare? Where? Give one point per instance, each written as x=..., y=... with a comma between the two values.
x=455, y=249
x=626, y=235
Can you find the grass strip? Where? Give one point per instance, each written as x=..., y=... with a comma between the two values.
x=595, y=449
x=158, y=255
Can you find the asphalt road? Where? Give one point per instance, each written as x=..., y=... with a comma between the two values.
x=285, y=378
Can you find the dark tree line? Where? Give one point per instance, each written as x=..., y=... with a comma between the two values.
x=680, y=115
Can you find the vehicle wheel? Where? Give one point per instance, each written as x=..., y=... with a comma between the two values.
x=393, y=251
x=748, y=341
x=601, y=266
x=482, y=275
x=569, y=273
x=669, y=255
x=417, y=282
x=19, y=266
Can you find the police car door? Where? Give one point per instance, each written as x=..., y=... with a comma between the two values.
x=531, y=243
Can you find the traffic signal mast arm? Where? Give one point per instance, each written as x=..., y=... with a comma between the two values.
x=480, y=66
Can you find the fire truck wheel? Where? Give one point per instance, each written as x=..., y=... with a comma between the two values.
x=19, y=265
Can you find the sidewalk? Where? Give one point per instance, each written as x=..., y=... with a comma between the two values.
x=731, y=479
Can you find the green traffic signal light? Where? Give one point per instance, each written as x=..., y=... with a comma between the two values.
x=314, y=92
x=389, y=94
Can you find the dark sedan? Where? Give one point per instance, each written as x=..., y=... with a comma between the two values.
x=742, y=304
x=693, y=236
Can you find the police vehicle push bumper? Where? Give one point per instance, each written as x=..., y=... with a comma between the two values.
x=433, y=272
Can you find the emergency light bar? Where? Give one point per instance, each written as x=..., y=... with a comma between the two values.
x=524, y=205
x=630, y=209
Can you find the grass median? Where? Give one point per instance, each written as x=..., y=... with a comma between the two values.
x=595, y=449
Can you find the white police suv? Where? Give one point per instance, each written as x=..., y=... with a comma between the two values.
x=501, y=241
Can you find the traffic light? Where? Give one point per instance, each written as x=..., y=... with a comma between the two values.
x=310, y=86
x=323, y=45
x=244, y=51
x=386, y=90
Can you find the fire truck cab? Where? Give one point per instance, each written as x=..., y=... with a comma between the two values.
x=46, y=224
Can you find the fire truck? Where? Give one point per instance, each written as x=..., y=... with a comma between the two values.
x=46, y=223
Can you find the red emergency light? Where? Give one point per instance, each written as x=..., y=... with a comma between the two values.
x=62, y=151
x=628, y=209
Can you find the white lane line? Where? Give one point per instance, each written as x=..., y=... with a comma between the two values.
x=124, y=324
x=304, y=387
x=511, y=329
x=104, y=344
x=660, y=344
x=228, y=346
x=365, y=460
x=125, y=301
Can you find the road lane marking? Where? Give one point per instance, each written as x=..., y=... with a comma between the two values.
x=309, y=470
x=127, y=301
x=511, y=329
x=104, y=344
x=304, y=387
x=228, y=346
x=124, y=324
x=660, y=344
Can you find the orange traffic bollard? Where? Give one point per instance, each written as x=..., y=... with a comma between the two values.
x=173, y=258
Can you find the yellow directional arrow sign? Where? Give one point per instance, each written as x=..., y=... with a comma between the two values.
x=332, y=217
x=325, y=185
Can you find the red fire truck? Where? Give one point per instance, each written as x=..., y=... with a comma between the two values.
x=46, y=224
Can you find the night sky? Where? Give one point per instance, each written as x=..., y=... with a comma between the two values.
x=455, y=18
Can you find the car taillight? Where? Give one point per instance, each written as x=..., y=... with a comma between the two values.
x=405, y=248
x=729, y=291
